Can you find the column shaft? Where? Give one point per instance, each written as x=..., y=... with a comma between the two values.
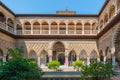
x=49, y=29
x=38, y=61
x=88, y=60
x=113, y=60
x=6, y=23
x=82, y=29
x=50, y=58
x=98, y=59
x=15, y=25
x=31, y=28
x=104, y=59
x=66, y=59
x=66, y=28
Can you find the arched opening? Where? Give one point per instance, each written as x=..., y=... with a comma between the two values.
x=1, y=57
x=112, y=10
x=94, y=26
x=105, y=18
x=118, y=4
x=71, y=28
x=54, y=28
x=62, y=28
x=83, y=56
x=2, y=18
x=19, y=29
x=72, y=57
x=79, y=28
x=61, y=58
x=36, y=28
x=27, y=28
x=93, y=56
x=108, y=55
x=101, y=24
x=45, y=28
x=33, y=56
x=101, y=56
x=87, y=28
x=117, y=46
x=10, y=25
x=44, y=59
x=59, y=52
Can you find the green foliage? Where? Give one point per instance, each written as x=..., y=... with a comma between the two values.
x=19, y=68
x=16, y=53
x=78, y=65
x=1, y=61
x=98, y=70
x=54, y=65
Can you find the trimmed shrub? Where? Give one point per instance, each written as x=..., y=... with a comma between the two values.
x=54, y=65
x=78, y=65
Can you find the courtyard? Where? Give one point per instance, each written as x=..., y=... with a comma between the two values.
x=44, y=40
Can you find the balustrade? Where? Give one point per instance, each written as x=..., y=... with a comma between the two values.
x=45, y=31
x=11, y=29
x=2, y=25
x=95, y=32
x=71, y=32
x=19, y=32
x=36, y=32
x=54, y=31
x=62, y=32
x=78, y=31
x=27, y=32
x=86, y=31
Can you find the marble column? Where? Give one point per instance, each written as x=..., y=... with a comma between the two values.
x=38, y=61
x=113, y=60
x=88, y=60
x=6, y=23
x=66, y=59
x=15, y=28
x=90, y=28
x=75, y=29
x=82, y=29
x=4, y=59
x=50, y=58
x=98, y=59
x=49, y=28
x=67, y=28
x=58, y=28
x=104, y=59
x=40, y=28
x=78, y=57
x=31, y=28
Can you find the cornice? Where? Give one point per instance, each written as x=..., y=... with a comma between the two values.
x=2, y=4
x=104, y=5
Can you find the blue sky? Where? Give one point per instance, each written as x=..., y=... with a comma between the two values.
x=51, y=6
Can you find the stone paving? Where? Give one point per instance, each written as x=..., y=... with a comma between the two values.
x=116, y=78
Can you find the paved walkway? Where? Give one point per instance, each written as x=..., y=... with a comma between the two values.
x=116, y=78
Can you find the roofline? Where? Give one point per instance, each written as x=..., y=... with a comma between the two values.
x=56, y=15
x=104, y=5
x=2, y=4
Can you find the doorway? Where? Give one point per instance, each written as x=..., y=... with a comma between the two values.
x=61, y=58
